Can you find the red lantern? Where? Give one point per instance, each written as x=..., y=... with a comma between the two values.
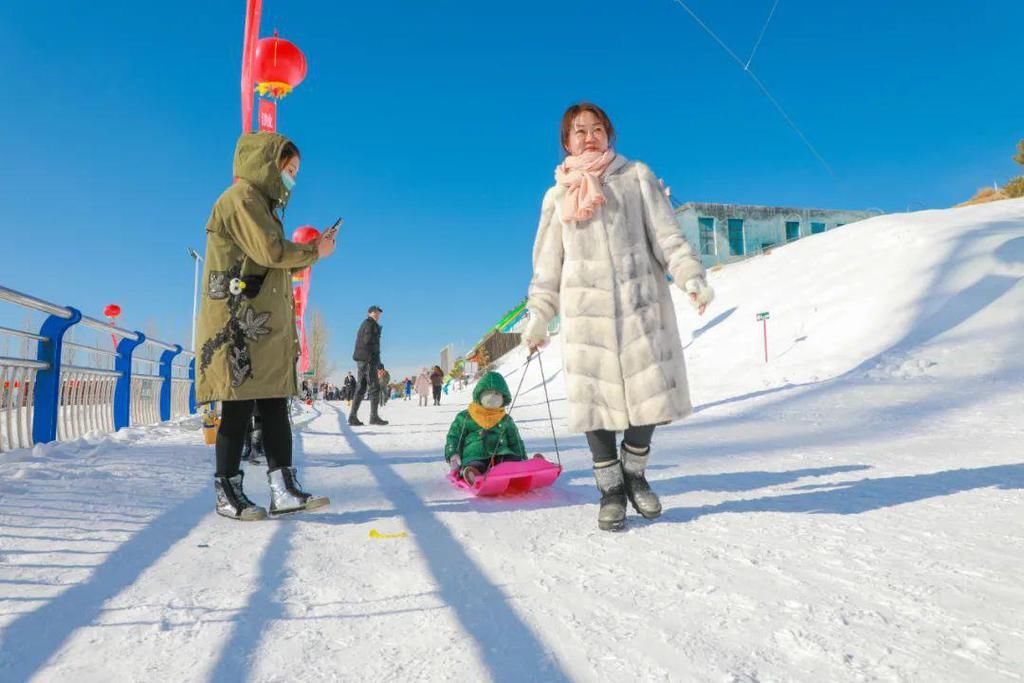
x=111, y=312
x=305, y=234
x=277, y=67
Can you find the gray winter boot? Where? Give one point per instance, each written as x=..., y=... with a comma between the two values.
x=286, y=495
x=612, y=515
x=634, y=462
x=232, y=501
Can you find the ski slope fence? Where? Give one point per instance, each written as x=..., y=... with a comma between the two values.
x=48, y=398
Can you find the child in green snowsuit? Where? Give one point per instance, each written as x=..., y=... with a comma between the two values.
x=484, y=430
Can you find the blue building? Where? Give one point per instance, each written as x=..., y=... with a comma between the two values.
x=723, y=233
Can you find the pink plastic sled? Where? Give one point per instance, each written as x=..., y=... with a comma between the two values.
x=516, y=476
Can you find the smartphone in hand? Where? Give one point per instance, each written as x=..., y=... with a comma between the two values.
x=332, y=231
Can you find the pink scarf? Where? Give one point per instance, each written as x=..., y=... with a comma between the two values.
x=582, y=175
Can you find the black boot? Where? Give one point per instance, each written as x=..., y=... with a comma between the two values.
x=375, y=419
x=353, y=414
x=257, y=456
x=254, y=444
x=232, y=501
x=644, y=500
x=612, y=515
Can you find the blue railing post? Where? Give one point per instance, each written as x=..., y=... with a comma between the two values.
x=46, y=397
x=123, y=388
x=166, y=359
x=192, y=388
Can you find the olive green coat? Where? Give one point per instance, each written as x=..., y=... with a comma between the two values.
x=247, y=348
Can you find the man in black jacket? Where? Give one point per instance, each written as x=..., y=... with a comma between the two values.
x=367, y=358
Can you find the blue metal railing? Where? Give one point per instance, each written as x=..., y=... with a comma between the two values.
x=46, y=398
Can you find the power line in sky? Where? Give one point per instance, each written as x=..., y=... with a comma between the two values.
x=757, y=81
x=761, y=37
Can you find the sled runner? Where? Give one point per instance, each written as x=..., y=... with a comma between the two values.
x=516, y=476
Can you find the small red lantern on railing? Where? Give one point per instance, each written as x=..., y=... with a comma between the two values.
x=112, y=312
x=277, y=66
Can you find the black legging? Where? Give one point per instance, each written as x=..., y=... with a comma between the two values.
x=602, y=442
x=277, y=434
x=437, y=394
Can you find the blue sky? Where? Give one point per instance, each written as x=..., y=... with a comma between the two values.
x=432, y=128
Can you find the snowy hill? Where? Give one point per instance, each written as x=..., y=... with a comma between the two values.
x=929, y=294
x=849, y=511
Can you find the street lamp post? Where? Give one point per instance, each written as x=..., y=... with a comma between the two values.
x=195, y=293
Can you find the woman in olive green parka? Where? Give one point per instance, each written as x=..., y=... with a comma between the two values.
x=246, y=341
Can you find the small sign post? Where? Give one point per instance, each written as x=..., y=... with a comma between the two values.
x=763, y=317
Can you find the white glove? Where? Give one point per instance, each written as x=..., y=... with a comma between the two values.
x=455, y=463
x=535, y=343
x=699, y=286
x=535, y=336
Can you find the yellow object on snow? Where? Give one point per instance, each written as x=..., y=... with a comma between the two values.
x=376, y=534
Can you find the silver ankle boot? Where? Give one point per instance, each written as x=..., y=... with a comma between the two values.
x=232, y=501
x=612, y=515
x=634, y=462
x=286, y=495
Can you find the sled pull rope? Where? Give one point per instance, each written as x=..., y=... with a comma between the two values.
x=526, y=366
x=551, y=418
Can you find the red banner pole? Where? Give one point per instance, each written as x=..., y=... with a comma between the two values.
x=252, y=30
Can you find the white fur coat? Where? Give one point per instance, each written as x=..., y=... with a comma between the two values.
x=623, y=356
x=423, y=384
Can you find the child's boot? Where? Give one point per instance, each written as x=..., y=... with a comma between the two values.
x=470, y=474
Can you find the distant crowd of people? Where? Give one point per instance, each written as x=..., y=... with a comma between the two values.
x=428, y=385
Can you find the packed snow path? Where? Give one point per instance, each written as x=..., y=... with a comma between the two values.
x=854, y=511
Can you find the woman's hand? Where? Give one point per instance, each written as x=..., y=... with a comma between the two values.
x=700, y=293
x=533, y=345
x=700, y=307
x=326, y=244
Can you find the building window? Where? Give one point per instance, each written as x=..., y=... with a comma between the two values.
x=736, y=236
x=817, y=227
x=792, y=230
x=707, y=236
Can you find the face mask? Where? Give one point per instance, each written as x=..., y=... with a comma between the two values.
x=289, y=182
x=492, y=399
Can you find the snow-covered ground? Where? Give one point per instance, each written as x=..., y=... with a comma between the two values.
x=851, y=511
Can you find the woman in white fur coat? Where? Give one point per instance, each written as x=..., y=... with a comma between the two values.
x=423, y=387
x=606, y=240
